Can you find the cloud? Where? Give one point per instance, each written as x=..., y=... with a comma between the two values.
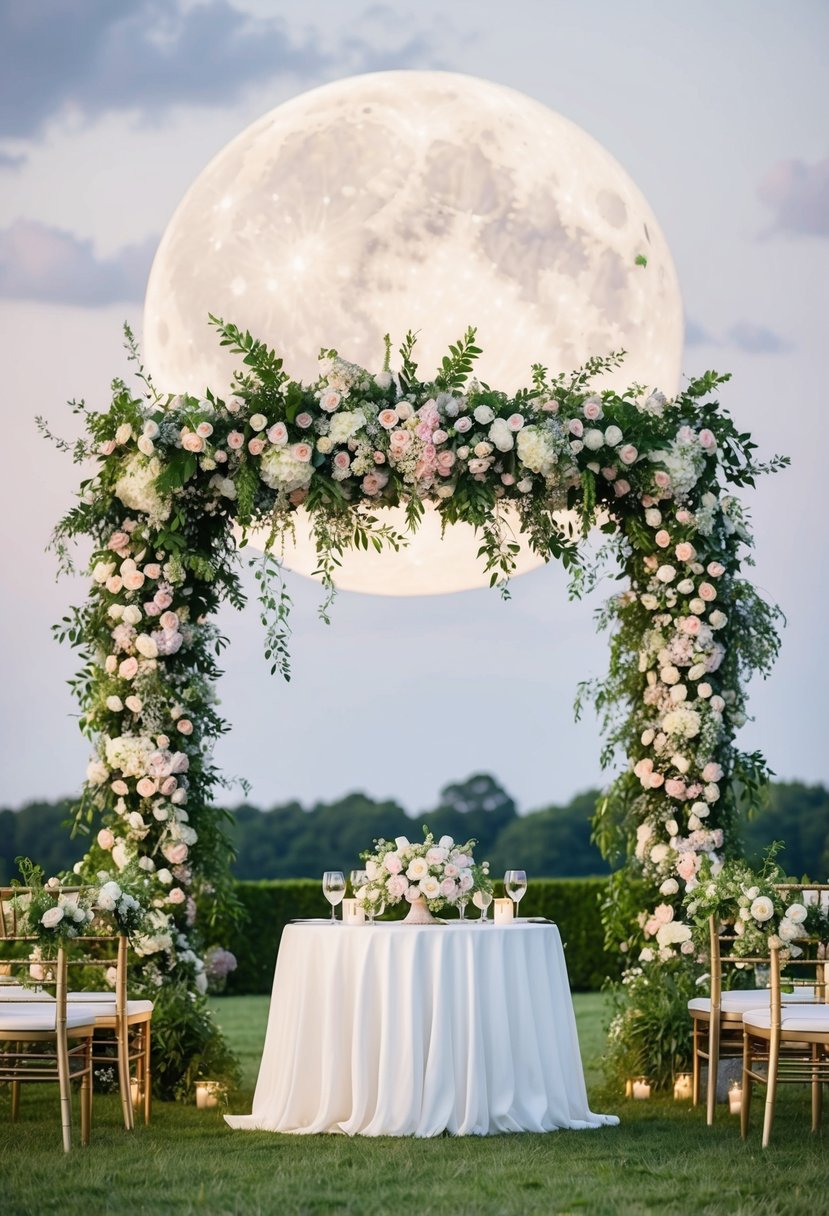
x=695, y=335
x=85, y=58
x=757, y=339
x=798, y=194
x=10, y=160
x=51, y=265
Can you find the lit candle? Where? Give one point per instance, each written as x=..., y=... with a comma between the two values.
x=641, y=1089
x=135, y=1092
x=206, y=1094
x=504, y=912
x=353, y=913
x=683, y=1088
x=735, y=1098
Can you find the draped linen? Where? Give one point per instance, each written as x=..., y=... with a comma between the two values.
x=406, y=1030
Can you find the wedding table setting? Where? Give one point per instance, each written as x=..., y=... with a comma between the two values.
x=421, y=1026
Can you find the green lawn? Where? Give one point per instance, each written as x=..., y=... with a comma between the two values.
x=662, y=1159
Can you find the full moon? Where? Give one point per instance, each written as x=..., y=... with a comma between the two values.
x=414, y=200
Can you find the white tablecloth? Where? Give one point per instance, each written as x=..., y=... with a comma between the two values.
x=404, y=1030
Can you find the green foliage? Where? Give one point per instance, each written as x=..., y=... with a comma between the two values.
x=650, y=1030
x=187, y=1043
x=456, y=367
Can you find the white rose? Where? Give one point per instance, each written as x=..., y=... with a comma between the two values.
x=97, y=772
x=418, y=868
x=647, y=737
x=102, y=571
x=146, y=646
x=164, y=876
x=697, y=606
x=762, y=909
x=672, y=827
x=132, y=614
x=711, y=792
x=115, y=704
x=717, y=619
x=678, y=694
x=658, y=853
x=124, y=433
x=258, y=422
x=501, y=435
x=446, y=842
x=612, y=436
x=146, y=445
x=593, y=439
x=796, y=913
x=666, y=574
x=653, y=518
x=669, y=887
x=483, y=415
x=52, y=917
x=680, y=763
x=430, y=887
x=685, y=587
x=701, y=809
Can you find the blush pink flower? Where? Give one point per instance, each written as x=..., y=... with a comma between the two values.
x=393, y=863
x=304, y=420
x=399, y=442
x=128, y=668
x=342, y=460
x=184, y=726
x=162, y=599
x=379, y=457
x=107, y=447
x=191, y=442
x=712, y=771
x=134, y=580
x=687, y=865
x=463, y=424
x=371, y=484
x=204, y=429
x=689, y=625
x=621, y=487
x=235, y=440
x=549, y=407
x=663, y=538
x=329, y=400
x=119, y=541
x=169, y=621
x=388, y=419
x=105, y=839
x=278, y=434
x=592, y=410
x=628, y=454
x=146, y=787
x=175, y=852
x=707, y=592
x=576, y=427
x=256, y=446
x=707, y=439
x=301, y=452
x=168, y=785
x=675, y=788
x=656, y=779
x=685, y=552
x=120, y=788
x=114, y=584
x=176, y=896
x=662, y=479
x=683, y=516
x=515, y=422
x=716, y=569
x=153, y=570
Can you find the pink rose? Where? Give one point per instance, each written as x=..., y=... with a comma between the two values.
x=707, y=439
x=716, y=569
x=609, y=472
x=463, y=424
x=162, y=599
x=342, y=460
x=675, y=788
x=662, y=479
x=621, y=487
x=235, y=440
x=399, y=442
x=118, y=541
x=397, y=886
x=656, y=779
x=176, y=896
x=175, y=852
x=120, y=788
x=151, y=608
x=192, y=442
x=146, y=787
x=220, y=456
x=153, y=570
x=128, y=668
x=393, y=863
x=168, y=785
x=663, y=914
x=445, y=461
x=379, y=457
x=107, y=447
x=707, y=592
x=685, y=551
x=169, y=621
x=105, y=838
x=256, y=446
x=133, y=580
x=550, y=407
x=114, y=584
x=303, y=421
x=329, y=400
x=686, y=867
x=371, y=484
x=204, y=429
x=712, y=772
x=388, y=419
x=648, y=501
x=576, y=427
x=449, y=888
x=301, y=452
x=683, y=516
x=184, y=726
x=515, y=422
x=650, y=562
x=662, y=538
x=278, y=434
x=628, y=454
x=689, y=625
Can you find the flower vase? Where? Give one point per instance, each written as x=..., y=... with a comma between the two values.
x=419, y=913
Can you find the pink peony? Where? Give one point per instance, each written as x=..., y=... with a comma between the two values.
x=643, y=768
x=399, y=442
x=301, y=452
x=628, y=454
x=235, y=440
x=256, y=446
x=175, y=852
x=685, y=552
x=445, y=461
x=656, y=779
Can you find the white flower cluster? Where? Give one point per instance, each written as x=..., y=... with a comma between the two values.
x=440, y=872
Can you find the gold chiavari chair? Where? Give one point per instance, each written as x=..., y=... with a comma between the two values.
x=718, y=1019
x=42, y=1040
x=789, y=1043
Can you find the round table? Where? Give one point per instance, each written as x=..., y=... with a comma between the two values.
x=409, y=1030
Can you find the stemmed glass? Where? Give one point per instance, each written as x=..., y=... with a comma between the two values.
x=515, y=885
x=374, y=908
x=482, y=900
x=461, y=902
x=333, y=888
x=358, y=879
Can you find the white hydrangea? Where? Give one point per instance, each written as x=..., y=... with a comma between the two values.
x=280, y=471
x=130, y=754
x=535, y=451
x=136, y=488
x=682, y=722
x=345, y=424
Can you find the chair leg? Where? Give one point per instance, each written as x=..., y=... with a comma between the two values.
x=817, y=1088
x=146, y=1073
x=15, y=1112
x=86, y=1095
x=771, y=1088
x=122, y=1047
x=65, y=1092
x=745, y=1105
x=713, y=1067
x=695, y=1069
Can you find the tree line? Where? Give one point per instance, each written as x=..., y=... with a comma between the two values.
x=292, y=841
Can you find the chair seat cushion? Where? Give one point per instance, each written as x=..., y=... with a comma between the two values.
x=39, y=1016
x=794, y=1017
x=102, y=1005
x=16, y=992
x=742, y=999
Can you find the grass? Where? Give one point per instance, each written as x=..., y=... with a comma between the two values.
x=661, y=1159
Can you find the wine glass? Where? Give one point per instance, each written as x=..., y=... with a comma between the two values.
x=333, y=888
x=515, y=884
x=482, y=900
x=374, y=908
x=358, y=879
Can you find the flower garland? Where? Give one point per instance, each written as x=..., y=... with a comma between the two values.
x=174, y=474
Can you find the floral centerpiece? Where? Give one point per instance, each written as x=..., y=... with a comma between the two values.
x=429, y=875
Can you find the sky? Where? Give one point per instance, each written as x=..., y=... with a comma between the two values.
x=109, y=111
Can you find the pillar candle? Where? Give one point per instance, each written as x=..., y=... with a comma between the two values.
x=504, y=912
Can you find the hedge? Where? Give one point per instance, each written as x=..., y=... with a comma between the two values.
x=573, y=903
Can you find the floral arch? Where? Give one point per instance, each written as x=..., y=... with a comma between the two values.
x=175, y=476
